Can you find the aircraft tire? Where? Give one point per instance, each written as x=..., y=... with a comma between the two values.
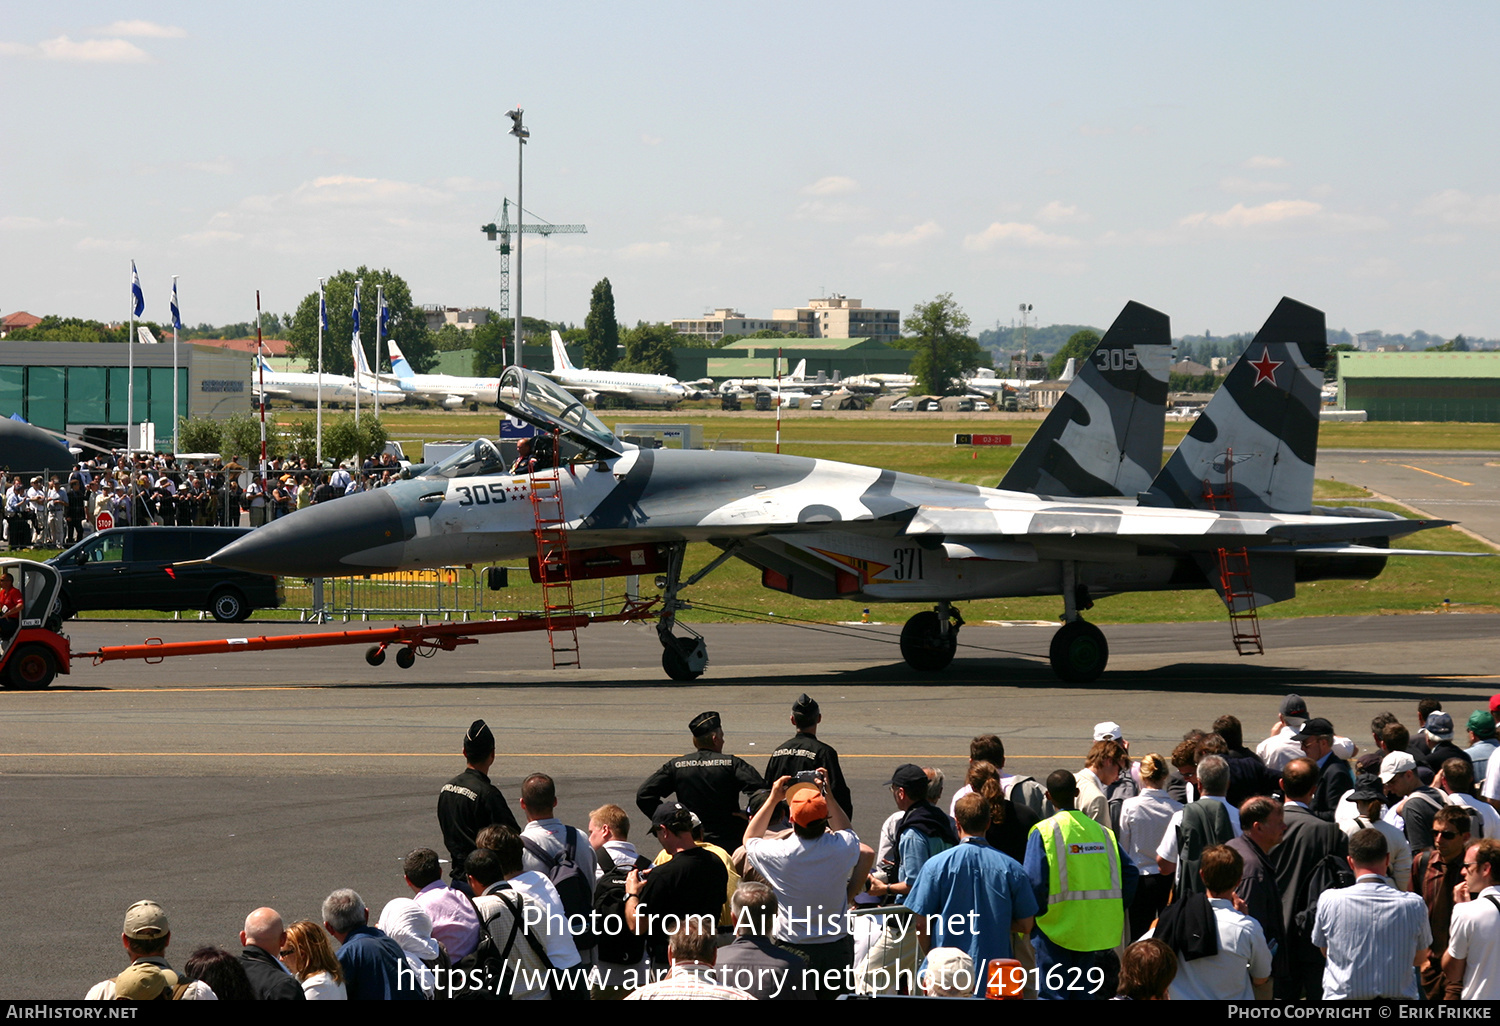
x=406, y=658
x=923, y=647
x=30, y=668
x=674, y=659
x=1079, y=652
x=375, y=655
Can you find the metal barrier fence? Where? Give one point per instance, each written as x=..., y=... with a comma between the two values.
x=450, y=593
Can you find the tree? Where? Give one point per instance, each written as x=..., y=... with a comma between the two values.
x=601, y=330
x=200, y=434
x=945, y=352
x=648, y=349
x=343, y=439
x=408, y=328
x=492, y=347
x=241, y=439
x=1078, y=346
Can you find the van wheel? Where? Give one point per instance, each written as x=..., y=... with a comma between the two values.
x=65, y=607
x=30, y=668
x=228, y=606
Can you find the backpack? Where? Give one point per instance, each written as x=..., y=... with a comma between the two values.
x=1331, y=873
x=1205, y=823
x=493, y=961
x=573, y=887
x=618, y=944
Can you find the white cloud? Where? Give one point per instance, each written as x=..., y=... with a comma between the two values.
x=17, y=50
x=1058, y=212
x=352, y=190
x=918, y=233
x=1441, y=239
x=830, y=185
x=142, y=29
x=1453, y=206
x=93, y=51
x=1265, y=162
x=21, y=223
x=1251, y=185
x=90, y=244
x=651, y=140
x=207, y=238
x=219, y=166
x=693, y=224
x=1375, y=267
x=646, y=251
x=1283, y=213
x=1095, y=131
x=1014, y=233
x=832, y=213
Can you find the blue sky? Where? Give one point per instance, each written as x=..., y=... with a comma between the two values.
x=1205, y=159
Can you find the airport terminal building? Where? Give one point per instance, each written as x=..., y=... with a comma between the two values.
x=82, y=388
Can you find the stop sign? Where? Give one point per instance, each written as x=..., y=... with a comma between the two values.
x=105, y=520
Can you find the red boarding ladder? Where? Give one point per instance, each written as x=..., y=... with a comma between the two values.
x=553, y=565
x=1234, y=572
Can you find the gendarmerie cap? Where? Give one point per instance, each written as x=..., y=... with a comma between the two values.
x=704, y=723
x=907, y=776
x=479, y=736
x=805, y=705
x=145, y=920
x=1315, y=727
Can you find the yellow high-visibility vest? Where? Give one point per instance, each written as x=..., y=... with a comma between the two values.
x=1085, y=908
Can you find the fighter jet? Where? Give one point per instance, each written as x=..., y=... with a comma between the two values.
x=1238, y=488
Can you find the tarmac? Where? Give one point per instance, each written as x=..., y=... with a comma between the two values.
x=216, y=785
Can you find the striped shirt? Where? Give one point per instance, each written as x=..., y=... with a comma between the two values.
x=1372, y=933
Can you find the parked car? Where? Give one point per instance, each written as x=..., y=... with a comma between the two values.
x=966, y=406
x=816, y=404
x=932, y=406
x=133, y=568
x=903, y=406
x=980, y=406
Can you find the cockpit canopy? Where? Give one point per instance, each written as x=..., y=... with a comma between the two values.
x=544, y=403
x=474, y=460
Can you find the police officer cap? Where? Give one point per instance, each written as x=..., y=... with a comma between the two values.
x=479, y=738
x=804, y=706
x=704, y=723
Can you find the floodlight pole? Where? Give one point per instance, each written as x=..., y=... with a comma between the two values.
x=522, y=134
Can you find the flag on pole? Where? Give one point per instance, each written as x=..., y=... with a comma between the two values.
x=135, y=290
x=176, y=313
x=322, y=308
x=385, y=317
x=356, y=308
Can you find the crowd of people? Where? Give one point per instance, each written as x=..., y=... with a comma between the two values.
x=143, y=490
x=1303, y=868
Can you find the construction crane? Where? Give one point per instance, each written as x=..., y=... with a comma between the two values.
x=504, y=230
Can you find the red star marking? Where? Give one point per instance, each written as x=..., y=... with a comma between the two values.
x=1265, y=368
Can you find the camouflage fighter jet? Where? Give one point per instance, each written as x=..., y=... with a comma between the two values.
x=1065, y=522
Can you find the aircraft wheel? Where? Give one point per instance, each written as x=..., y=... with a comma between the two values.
x=406, y=657
x=30, y=668
x=923, y=647
x=375, y=655
x=680, y=656
x=1079, y=652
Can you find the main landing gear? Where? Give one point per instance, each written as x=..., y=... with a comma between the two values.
x=929, y=640
x=1079, y=651
x=683, y=658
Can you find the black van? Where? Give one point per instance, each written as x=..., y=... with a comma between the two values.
x=132, y=568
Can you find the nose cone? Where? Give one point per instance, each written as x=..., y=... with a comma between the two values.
x=355, y=534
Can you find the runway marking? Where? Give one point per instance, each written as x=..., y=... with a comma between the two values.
x=1434, y=473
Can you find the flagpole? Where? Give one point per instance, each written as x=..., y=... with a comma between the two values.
x=137, y=301
x=176, y=323
x=322, y=317
x=260, y=359
x=379, y=318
